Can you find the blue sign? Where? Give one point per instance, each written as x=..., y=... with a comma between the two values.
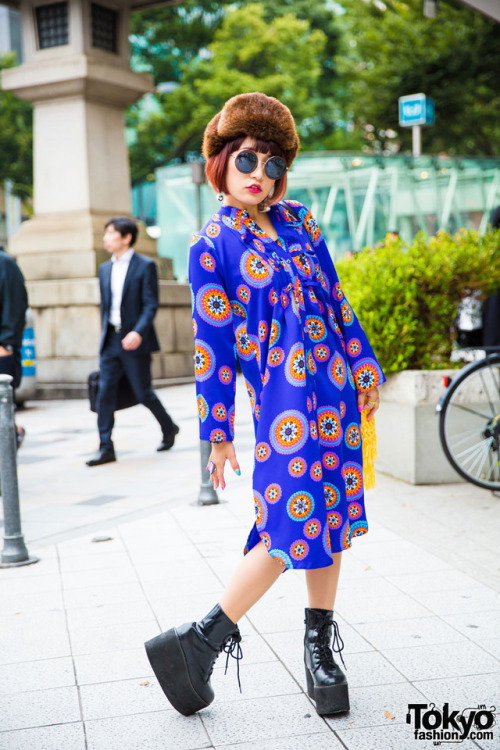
x=416, y=109
x=28, y=353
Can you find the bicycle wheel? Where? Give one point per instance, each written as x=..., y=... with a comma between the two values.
x=469, y=423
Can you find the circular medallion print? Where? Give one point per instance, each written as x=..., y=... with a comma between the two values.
x=202, y=408
x=316, y=471
x=266, y=539
x=330, y=431
x=225, y=375
x=297, y=467
x=282, y=557
x=213, y=305
x=219, y=412
x=213, y=230
x=243, y=293
x=289, y=431
x=367, y=374
x=300, y=506
x=330, y=461
x=255, y=270
x=321, y=352
x=204, y=360
x=207, y=262
x=263, y=329
x=238, y=309
x=260, y=510
x=299, y=549
x=346, y=311
x=334, y=519
x=276, y=356
x=337, y=371
x=353, y=478
x=312, y=528
x=332, y=495
x=295, y=367
x=354, y=347
x=354, y=510
x=217, y=436
x=353, y=436
x=275, y=332
x=262, y=451
x=273, y=492
x=316, y=328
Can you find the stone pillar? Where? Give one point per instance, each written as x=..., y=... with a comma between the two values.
x=76, y=74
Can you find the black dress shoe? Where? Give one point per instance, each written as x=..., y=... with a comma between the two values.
x=168, y=440
x=103, y=456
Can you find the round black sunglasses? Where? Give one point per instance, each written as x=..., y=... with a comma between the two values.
x=246, y=162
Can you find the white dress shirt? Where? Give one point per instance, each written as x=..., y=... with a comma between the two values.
x=119, y=270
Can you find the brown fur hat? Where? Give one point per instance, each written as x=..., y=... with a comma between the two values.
x=256, y=115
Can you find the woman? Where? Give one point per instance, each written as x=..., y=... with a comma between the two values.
x=265, y=290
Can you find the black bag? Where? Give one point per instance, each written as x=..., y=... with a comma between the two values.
x=126, y=397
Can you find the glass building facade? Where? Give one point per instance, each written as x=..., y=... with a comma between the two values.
x=357, y=199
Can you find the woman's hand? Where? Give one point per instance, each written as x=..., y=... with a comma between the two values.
x=222, y=452
x=369, y=401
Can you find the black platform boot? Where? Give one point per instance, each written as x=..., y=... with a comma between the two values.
x=326, y=683
x=183, y=659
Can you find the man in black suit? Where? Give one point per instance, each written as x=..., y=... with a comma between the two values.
x=13, y=304
x=129, y=300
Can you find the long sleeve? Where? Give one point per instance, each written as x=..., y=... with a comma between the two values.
x=362, y=361
x=215, y=358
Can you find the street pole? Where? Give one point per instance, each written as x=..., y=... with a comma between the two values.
x=14, y=551
x=416, y=137
x=207, y=495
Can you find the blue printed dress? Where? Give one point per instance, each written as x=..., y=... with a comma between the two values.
x=278, y=307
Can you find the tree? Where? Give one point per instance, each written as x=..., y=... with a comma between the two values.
x=16, y=138
x=280, y=58
x=391, y=49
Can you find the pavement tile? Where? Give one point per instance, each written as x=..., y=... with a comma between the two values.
x=442, y=580
x=32, y=584
x=104, y=560
x=165, y=730
x=103, y=594
x=478, y=626
x=261, y=720
x=396, y=737
x=419, y=631
x=102, y=615
x=443, y=660
x=386, y=563
x=379, y=705
x=126, y=664
x=323, y=741
x=122, y=698
x=57, y=737
x=36, y=675
x=465, y=600
x=39, y=707
x=46, y=566
x=77, y=579
x=380, y=609
x=95, y=640
x=34, y=603
x=36, y=644
x=460, y=692
x=257, y=681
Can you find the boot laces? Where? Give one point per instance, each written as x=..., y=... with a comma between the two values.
x=322, y=645
x=232, y=645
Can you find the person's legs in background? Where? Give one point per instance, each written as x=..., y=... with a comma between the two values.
x=110, y=372
x=137, y=368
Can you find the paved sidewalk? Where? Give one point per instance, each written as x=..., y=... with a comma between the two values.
x=418, y=604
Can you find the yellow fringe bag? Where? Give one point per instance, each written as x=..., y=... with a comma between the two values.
x=369, y=438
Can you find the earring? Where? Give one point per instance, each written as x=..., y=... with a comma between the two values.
x=220, y=197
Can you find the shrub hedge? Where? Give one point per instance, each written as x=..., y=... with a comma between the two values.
x=407, y=296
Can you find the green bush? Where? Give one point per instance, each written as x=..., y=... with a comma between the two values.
x=407, y=296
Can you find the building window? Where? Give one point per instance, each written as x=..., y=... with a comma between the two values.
x=104, y=28
x=52, y=25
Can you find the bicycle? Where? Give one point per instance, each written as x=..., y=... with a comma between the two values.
x=469, y=420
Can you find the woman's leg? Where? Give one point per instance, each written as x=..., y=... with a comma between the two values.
x=255, y=574
x=322, y=584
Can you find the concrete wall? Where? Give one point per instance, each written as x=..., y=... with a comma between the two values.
x=408, y=428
